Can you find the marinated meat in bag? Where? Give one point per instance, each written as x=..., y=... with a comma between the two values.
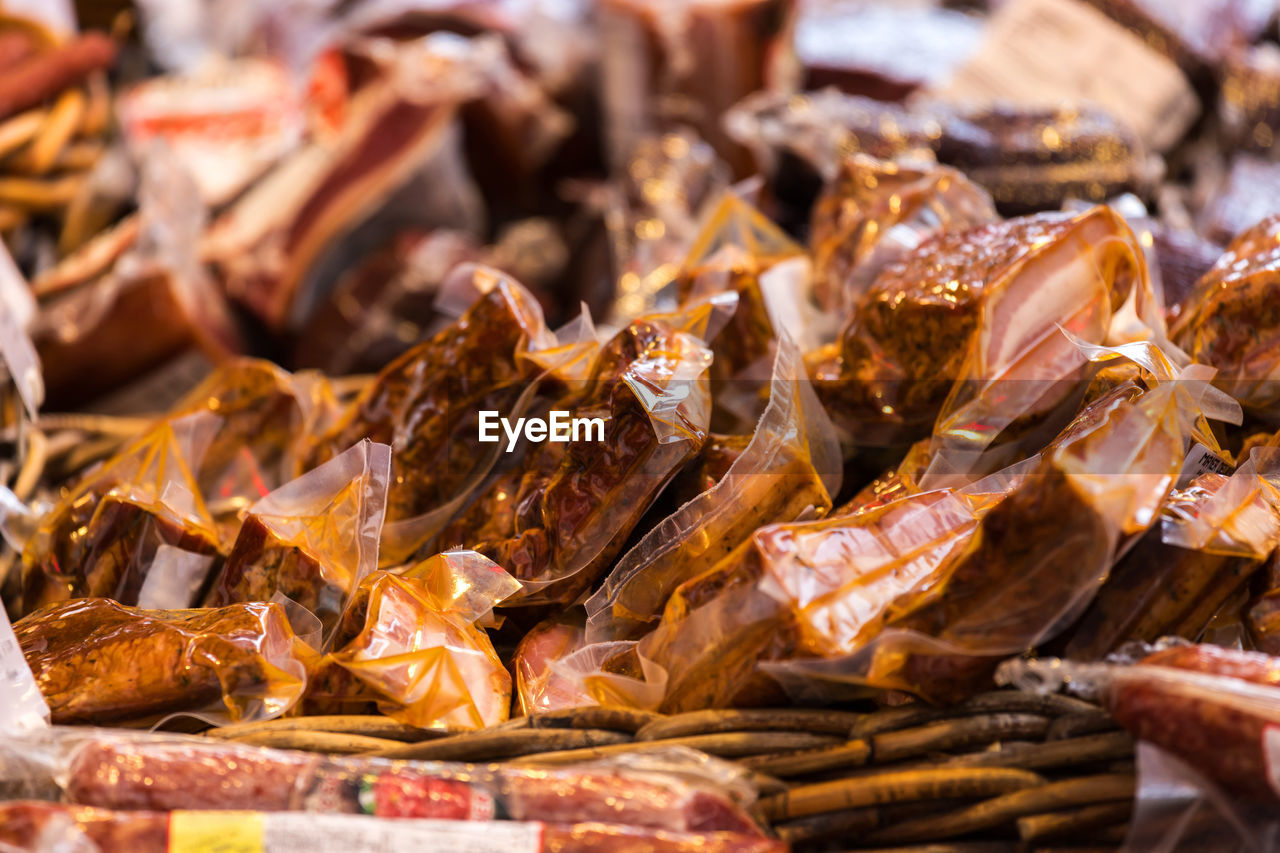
x=874, y=212
x=1212, y=537
x=579, y=499
x=790, y=467
x=971, y=317
x=313, y=539
x=1233, y=319
x=426, y=403
x=267, y=416
x=1038, y=557
x=718, y=628
x=540, y=687
x=97, y=661
x=102, y=537
x=419, y=650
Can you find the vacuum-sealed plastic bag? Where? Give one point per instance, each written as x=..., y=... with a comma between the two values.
x=1232, y=320
x=102, y=536
x=964, y=330
x=267, y=417
x=426, y=404
x=1036, y=559
x=1178, y=810
x=790, y=467
x=541, y=686
x=420, y=650
x=874, y=212
x=643, y=413
x=1212, y=537
x=98, y=661
x=313, y=539
x=734, y=252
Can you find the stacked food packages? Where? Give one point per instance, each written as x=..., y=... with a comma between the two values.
x=453, y=367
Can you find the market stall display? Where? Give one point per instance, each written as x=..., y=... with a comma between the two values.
x=717, y=425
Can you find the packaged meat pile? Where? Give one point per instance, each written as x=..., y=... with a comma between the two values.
x=441, y=368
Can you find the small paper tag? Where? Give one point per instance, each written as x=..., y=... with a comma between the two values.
x=1202, y=460
x=1051, y=52
x=22, y=708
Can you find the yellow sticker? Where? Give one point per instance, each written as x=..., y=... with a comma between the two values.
x=215, y=832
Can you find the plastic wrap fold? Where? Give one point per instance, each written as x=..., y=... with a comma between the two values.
x=414, y=643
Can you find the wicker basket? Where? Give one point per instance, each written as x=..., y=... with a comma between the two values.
x=1006, y=771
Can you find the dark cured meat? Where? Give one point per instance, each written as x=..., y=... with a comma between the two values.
x=569, y=494
x=426, y=403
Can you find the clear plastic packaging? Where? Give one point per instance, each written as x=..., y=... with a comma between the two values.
x=1231, y=320
x=1036, y=559
x=313, y=539
x=1211, y=538
x=1178, y=810
x=790, y=468
x=875, y=211
x=420, y=651
x=266, y=414
x=98, y=661
x=1217, y=709
x=104, y=533
x=556, y=530
x=961, y=335
x=541, y=686
x=426, y=404
x=672, y=788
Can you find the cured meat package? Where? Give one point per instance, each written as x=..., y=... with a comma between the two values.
x=667, y=791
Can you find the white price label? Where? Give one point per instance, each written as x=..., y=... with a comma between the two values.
x=1201, y=460
x=293, y=832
